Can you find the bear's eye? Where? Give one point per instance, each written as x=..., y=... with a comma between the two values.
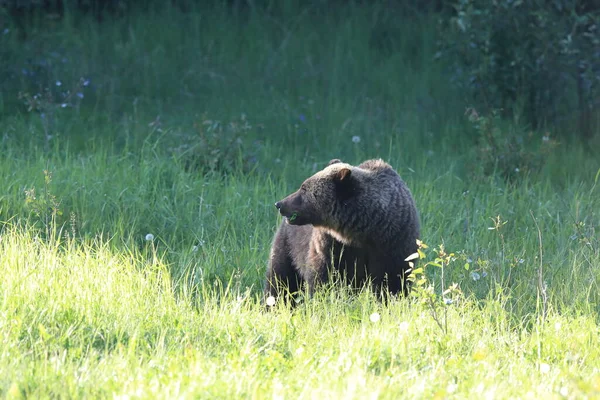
x=303, y=188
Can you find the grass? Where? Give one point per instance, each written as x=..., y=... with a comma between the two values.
x=82, y=320
x=191, y=135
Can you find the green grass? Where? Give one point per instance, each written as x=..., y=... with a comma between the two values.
x=90, y=308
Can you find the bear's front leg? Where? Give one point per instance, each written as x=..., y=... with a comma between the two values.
x=390, y=275
x=282, y=277
x=319, y=261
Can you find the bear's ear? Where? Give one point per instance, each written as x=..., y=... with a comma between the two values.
x=343, y=174
x=334, y=161
x=345, y=186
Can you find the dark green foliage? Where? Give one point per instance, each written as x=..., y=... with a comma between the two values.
x=539, y=59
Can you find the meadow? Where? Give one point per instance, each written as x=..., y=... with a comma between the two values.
x=140, y=159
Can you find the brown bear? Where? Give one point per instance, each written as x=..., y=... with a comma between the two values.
x=360, y=221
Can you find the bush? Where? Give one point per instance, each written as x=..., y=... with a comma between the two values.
x=539, y=59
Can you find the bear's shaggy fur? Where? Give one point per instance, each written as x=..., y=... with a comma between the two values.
x=360, y=221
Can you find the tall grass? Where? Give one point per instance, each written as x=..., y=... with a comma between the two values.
x=136, y=219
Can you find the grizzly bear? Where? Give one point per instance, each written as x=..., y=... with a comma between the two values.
x=359, y=221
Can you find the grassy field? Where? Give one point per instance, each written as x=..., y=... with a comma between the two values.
x=138, y=171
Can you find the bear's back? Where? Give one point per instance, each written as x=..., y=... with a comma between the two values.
x=375, y=165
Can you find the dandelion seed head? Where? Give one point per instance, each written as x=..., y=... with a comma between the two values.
x=403, y=327
x=270, y=301
x=544, y=368
x=64, y=105
x=375, y=317
x=355, y=139
x=149, y=237
x=58, y=83
x=452, y=387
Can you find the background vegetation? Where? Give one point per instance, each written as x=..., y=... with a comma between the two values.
x=143, y=146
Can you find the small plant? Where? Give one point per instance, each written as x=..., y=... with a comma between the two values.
x=49, y=101
x=46, y=207
x=506, y=149
x=424, y=289
x=217, y=145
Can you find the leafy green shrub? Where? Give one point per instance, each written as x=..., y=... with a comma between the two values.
x=539, y=59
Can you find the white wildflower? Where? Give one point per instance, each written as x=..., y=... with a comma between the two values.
x=375, y=317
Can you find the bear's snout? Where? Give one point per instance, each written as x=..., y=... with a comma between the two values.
x=289, y=207
x=284, y=207
x=296, y=210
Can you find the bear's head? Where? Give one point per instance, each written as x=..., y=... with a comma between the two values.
x=320, y=197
